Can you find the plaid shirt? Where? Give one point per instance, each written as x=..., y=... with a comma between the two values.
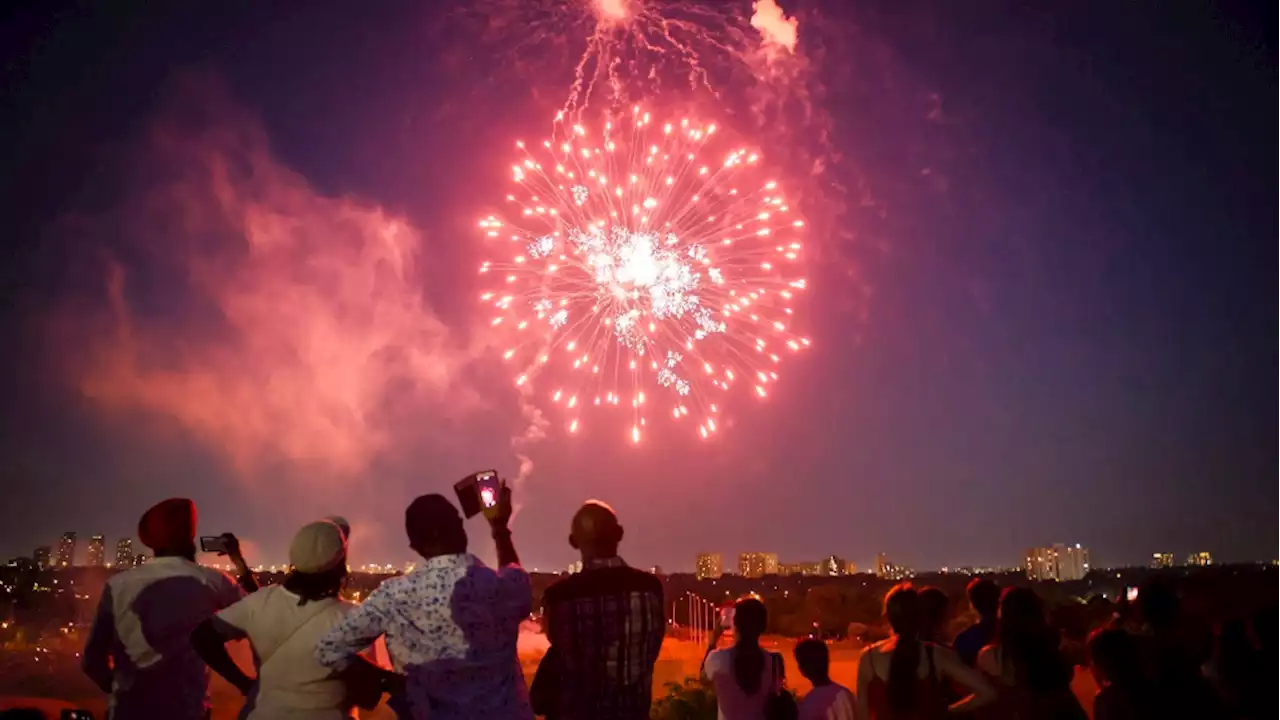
x=606, y=626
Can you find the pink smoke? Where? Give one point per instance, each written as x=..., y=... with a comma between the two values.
x=777, y=31
x=301, y=332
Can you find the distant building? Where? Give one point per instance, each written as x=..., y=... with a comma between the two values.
x=887, y=570
x=1200, y=559
x=656, y=570
x=851, y=568
x=124, y=552
x=1058, y=562
x=66, y=549
x=833, y=565
x=97, y=551
x=757, y=564
x=708, y=566
x=1160, y=561
x=575, y=567
x=43, y=557
x=800, y=568
x=140, y=559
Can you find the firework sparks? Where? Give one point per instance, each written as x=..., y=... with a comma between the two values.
x=647, y=268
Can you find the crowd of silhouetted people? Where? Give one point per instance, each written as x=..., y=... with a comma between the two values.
x=450, y=629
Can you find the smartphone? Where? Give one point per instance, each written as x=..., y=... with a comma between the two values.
x=213, y=544
x=726, y=618
x=1131, y=594
x=478, y=493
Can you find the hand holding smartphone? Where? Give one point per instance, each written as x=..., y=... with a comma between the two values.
x=479, y=493
x=213, y=544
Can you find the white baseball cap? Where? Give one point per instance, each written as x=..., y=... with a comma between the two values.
x=317, y=547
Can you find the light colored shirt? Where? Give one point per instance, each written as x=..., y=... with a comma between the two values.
x=451, y=627
x=144, y=625
x=731, y=702
x=292, y=684
x=829, y=702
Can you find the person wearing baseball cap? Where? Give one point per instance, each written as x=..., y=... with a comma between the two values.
x=137, y=650
x=283, y=623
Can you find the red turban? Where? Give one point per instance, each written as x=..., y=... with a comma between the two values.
x=168, y=525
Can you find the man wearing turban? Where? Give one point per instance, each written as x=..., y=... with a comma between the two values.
x=139, y=649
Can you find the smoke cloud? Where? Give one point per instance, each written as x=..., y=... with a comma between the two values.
x=268, y=319
x=777, y=31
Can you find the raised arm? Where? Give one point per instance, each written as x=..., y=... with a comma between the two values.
x=96, y=658
x=499, y=524
x=244, y=575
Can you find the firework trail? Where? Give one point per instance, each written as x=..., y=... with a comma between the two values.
x=650, y=267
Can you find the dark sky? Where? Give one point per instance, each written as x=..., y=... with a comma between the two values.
x=1046, y=315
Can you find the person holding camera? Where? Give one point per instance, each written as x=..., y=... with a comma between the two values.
x=138, y=649
x=283, y=624
x=451, y=624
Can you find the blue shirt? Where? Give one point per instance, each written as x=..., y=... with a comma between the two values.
x=451, y=627
x=972, y=639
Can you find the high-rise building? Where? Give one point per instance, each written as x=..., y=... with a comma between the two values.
x=124, y=552
x=757, y=564
x=140, y=559
x=800, y=568
x=708, y=566
x=832, y=565
x=1200, y=559
x=43, y=557
x=575, y=567
x=97, y=551
x=1160, y=561
x=66, y=549
x=851, y=568
x=887, y=570
x=1059, y=562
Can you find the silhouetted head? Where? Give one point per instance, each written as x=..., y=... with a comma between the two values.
x=595, y=531
x=1114, y=658
x=1021, y=612
x=1159, y=604
x=902, y=608
x=749, y=618
x=749, y=622
x=1028, y=646
x=434, y=527
x=813, y=659
x=933, y=612
x=984, y=598
x=169, y=528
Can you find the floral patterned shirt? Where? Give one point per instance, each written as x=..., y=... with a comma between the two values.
x=451, y=628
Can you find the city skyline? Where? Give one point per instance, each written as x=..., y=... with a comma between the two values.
x=879, y=563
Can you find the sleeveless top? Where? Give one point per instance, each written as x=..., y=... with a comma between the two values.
x=930, y=699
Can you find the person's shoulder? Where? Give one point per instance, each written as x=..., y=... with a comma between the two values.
x=397, y=584
x=212, y=576
x=645, y=580
x=879, y=648
x=561, y=587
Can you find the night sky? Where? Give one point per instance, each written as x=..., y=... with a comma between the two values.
x=1041, y=312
